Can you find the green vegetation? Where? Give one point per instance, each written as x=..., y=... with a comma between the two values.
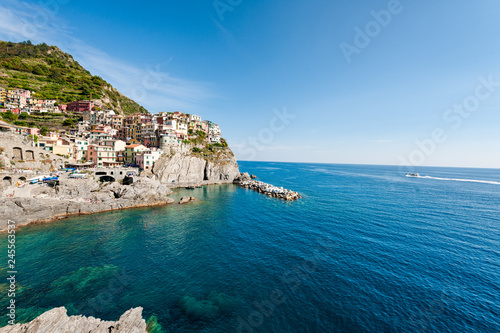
x=44, y=121
x=20, y=123
x=152, y=325
x=68, y=122
x=9, y=116
x=53, y=74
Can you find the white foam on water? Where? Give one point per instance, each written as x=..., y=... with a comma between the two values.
x=462, y=180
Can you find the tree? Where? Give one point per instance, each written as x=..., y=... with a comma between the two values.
x=68, y=122
x=9, y=116
x=44, y=130
x=24, y=115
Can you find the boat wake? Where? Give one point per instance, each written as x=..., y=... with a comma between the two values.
x=462, y=180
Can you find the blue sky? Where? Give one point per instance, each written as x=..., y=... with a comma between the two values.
x=276, y=77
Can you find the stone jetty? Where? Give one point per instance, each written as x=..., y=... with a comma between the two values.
x=270, y=190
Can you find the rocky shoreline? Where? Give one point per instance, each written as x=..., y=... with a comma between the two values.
x=57, y=320
x=73, y=197
x=84, y=197
x=32, y=204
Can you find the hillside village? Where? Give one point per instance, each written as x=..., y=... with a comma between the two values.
x=105, y=138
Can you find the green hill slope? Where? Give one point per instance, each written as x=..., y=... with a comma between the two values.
x=53, y=74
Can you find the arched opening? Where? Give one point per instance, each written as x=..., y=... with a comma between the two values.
x=30, y=156
x=23, y=179
x=17, y=154
x=7, y=181
x=106, y=179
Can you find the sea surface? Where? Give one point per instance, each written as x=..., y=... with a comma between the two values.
x=367, y=249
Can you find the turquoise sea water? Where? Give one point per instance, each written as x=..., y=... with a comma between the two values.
x=366, y=250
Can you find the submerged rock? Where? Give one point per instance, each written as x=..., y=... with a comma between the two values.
x=185, y=200
x=57, y=321
x=211, y=307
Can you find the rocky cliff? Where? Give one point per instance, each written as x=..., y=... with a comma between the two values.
x=188, y=168
x=57, y=321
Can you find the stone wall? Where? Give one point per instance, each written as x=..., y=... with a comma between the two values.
x=17, y=152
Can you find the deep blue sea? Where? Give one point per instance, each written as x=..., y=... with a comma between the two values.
x=366, y=250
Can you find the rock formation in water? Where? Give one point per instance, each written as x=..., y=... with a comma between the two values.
x=185, y=200
x=57, y=321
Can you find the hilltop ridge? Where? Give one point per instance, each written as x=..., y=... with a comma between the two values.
x=54, y=74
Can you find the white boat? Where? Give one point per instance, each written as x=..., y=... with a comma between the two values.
x=412, y=175
x=78, y=175
x=36, y=179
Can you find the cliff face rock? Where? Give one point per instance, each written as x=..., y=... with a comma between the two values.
x=186, y=168
x=57, y=321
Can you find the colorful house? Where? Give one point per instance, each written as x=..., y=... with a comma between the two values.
x=131, y=152
x=146, y=159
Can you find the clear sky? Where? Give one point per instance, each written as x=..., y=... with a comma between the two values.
x=361, y=81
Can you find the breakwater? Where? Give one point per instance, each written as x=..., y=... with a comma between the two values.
x=270, y=190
